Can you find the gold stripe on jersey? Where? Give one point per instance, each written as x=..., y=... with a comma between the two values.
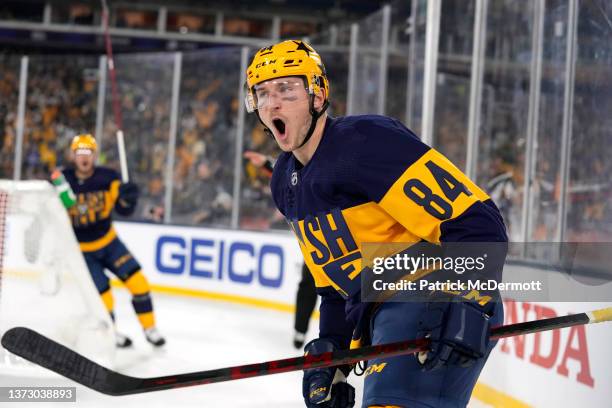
x=110, y=197
x=384, y=406
x=98, y=243
x=431, y=191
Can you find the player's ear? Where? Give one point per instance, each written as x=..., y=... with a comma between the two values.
x=319, y=99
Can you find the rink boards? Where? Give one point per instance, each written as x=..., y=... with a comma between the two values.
x=261, y=269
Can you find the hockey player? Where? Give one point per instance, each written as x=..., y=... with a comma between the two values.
x=341, y=182
x=98, y=191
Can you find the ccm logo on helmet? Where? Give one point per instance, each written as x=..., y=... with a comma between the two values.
x=263, y=64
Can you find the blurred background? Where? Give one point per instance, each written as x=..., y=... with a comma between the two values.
x=515, y=93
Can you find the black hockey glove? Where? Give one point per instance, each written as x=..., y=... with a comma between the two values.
x=326, y=387
x=459, y=334
x=127, y=200
x=129, y=193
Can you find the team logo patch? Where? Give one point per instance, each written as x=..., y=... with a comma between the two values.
x=294, y=178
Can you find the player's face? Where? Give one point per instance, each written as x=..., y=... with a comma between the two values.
x=283, y=106
x=84, y=160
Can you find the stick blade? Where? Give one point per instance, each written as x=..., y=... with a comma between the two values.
x=40, y=350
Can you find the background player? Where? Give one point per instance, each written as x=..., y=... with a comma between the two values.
x=344, y=181
x=98, y=191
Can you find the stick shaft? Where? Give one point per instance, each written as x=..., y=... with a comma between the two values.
x=114, y=94
x=125, y=177
x=56, y=357
x=366, y=353
x=539, y=325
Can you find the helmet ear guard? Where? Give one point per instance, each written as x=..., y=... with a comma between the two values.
x=320, y=84
x=249, y=101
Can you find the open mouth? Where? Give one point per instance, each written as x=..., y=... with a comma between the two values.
x=279, y=125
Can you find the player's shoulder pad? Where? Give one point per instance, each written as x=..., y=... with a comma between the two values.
x=375, y=138
x=374, y=129
x=383, y=147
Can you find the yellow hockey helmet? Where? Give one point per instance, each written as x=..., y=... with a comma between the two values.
x=84, y=141
x=287, y=58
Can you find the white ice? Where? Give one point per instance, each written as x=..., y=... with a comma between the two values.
x=201, y=335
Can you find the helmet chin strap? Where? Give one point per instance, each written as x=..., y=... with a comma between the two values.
x=267, y=130
x=315, y=118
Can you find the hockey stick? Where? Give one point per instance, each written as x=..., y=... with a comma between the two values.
x=115, y=95
x=47, y=353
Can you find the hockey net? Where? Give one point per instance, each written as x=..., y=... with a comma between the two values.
x=44, y=281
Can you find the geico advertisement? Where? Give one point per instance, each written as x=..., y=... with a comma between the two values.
x=564, y=368
x=256, y=265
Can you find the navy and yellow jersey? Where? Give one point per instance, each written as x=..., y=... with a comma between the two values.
x=91, y=216
x=372, y=180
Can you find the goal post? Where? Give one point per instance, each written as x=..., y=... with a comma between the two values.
x=44, y=281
